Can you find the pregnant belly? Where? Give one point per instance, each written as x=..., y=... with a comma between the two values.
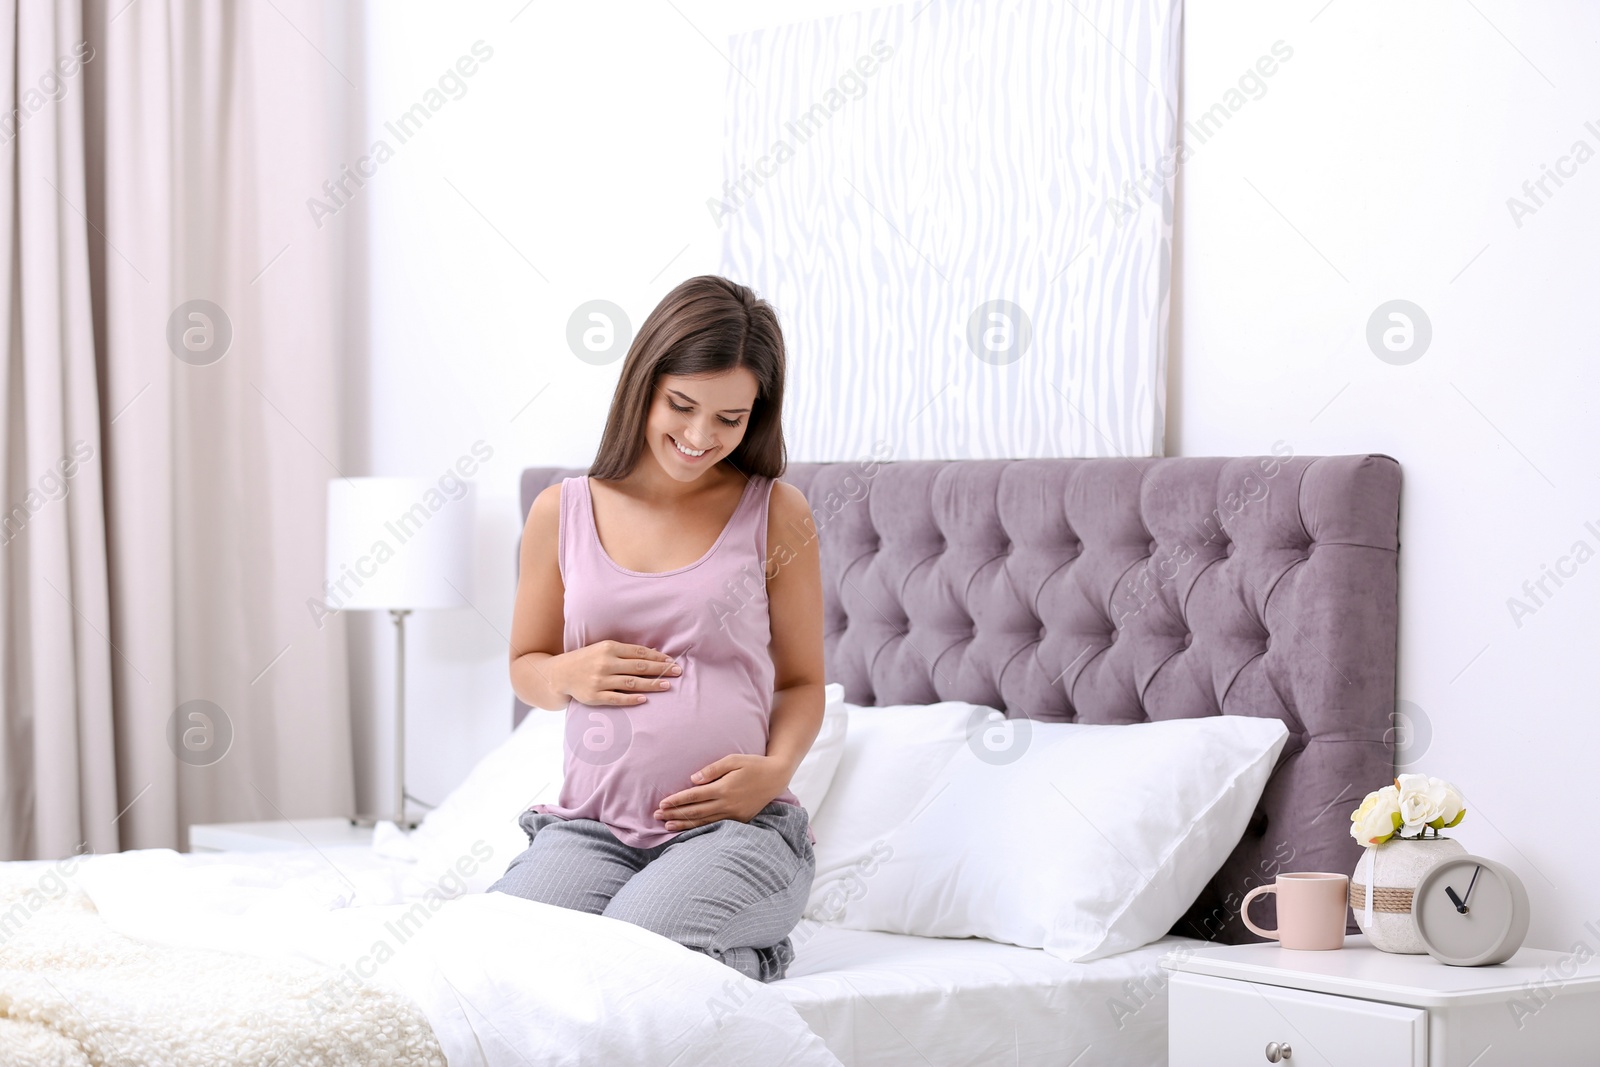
x=631, y=758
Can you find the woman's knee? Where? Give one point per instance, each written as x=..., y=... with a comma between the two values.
x=744, y=891
x=564, y=867
x=526, y=877
x=682, y=920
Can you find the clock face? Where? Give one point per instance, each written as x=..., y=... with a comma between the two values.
x=1471, y=911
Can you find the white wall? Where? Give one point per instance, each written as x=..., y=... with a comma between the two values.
x=576, y=166
x=1390, y=141
x=1377, y=166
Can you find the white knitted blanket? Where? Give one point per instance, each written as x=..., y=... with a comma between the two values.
x=75, y=993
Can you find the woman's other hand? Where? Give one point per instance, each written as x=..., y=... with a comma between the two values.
x=734, y=787
x=612, y=673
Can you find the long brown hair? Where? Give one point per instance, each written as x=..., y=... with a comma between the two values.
x=706, y=325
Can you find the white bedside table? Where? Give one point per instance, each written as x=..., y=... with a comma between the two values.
x=271, y=836
x=1361, y=1007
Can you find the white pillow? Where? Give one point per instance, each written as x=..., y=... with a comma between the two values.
x=475, y=828
x=891, y=756
x=815, y=773
x=1084, y=841
x=523, y=770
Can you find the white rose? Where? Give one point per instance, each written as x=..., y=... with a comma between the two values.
x=1411, y=783
x=1448, y=800
x=1418, y=805
x=1376, y=820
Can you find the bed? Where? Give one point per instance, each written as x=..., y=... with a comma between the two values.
x=1096, y=591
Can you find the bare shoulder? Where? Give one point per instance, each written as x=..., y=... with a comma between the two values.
x=788, y=504
x=543, y=528
x=544, y=517
x=548, y=502
x=791, y=529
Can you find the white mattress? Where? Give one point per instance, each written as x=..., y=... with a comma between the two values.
x=890, y=999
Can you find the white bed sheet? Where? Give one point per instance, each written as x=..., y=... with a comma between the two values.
x=891, y=999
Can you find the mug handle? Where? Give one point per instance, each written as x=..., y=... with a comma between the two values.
x=1244, y=910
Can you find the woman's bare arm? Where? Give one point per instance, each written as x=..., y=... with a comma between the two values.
x=794, y=593
x=536, y=619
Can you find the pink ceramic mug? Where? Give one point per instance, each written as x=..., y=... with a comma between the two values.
x=1311, y=910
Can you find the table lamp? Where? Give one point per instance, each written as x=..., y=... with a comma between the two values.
x=401, y=545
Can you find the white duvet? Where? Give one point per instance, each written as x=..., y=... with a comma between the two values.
x=500, y=980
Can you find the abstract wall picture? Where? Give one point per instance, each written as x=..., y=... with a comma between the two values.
x=963, y=214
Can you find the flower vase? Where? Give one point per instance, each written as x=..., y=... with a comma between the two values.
x=1394, y=869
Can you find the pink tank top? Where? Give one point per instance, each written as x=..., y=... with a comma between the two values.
x=711, y=616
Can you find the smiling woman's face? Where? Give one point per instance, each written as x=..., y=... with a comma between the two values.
x=706, y=414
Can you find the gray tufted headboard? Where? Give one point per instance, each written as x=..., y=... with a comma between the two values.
x=1126, y=590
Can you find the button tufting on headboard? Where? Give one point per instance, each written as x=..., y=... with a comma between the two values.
x=1162, y=585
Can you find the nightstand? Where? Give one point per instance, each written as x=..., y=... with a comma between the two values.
x=1243, y=1004
x=271, y=836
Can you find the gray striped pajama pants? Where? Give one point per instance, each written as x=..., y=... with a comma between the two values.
x=730, y=889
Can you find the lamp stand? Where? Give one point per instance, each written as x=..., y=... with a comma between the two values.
x=399, y=810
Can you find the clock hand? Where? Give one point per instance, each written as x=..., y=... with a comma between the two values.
x=1470, y=884
x=1461, y=901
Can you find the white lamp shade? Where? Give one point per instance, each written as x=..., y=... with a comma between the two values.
x=399, y=543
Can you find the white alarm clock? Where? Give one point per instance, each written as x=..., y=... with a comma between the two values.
x=1471, y=912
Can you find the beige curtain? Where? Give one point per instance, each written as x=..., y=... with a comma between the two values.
x=56, y=748
x=189, y=322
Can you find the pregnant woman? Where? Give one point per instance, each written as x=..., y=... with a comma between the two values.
x=666, y=604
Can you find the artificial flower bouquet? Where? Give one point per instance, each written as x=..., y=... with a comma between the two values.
x=1410, y=808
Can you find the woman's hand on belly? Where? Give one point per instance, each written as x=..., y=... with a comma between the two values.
x=735, y=787
x=612, y=673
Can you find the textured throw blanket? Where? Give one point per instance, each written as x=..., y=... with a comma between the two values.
x=75, y=993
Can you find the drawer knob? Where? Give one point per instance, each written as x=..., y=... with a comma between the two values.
x=1277, y=1053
